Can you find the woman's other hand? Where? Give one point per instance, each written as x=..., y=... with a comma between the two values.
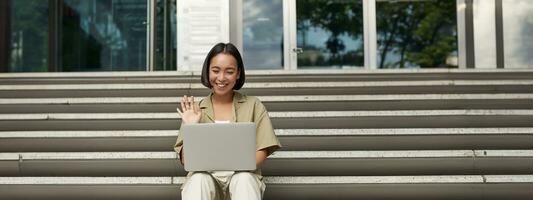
x=190, y=112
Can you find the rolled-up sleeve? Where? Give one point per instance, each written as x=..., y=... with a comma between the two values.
x=179, y=143
x=265, y=137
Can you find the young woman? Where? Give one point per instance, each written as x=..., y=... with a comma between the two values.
x=223, y=73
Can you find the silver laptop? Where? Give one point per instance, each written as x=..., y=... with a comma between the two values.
x=219, y=146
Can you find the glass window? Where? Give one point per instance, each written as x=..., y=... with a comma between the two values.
x=484, y=34
x=416, y=34
x=263, y=34
x=104, y=35
x=28, y=36
x=518, y=33
x=166, y=48
x=329, y=33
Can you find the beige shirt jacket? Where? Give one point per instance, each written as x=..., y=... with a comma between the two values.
x=245, y=109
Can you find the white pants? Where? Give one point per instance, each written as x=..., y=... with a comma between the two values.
x=223, y=186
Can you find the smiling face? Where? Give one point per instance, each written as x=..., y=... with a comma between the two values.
x=223, y=74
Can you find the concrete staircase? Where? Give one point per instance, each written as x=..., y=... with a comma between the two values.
x=391, y=134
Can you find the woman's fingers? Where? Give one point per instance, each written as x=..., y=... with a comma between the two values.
x=196, y=107
x=191, y=103
x=187, y=103
x=183, y=103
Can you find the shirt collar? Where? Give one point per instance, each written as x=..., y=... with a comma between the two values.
x=207, y=105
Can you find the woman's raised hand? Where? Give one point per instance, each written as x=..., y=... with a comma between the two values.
x=190, y=112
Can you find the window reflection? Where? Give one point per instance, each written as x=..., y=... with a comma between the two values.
x=165, y=55
x=518, y=33
x=416, y=34
x=104, y=35
x=263, y=34
x=28, y=41
x=330, y=33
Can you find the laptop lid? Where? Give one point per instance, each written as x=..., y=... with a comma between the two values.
x=219, y=146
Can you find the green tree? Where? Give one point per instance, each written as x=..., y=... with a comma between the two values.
x=338, y=17
x=421, y=34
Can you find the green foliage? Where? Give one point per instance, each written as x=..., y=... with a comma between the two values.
x=419, y=34
x=410, y=34
x=340, y=18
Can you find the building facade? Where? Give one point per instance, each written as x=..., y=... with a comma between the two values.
x=168, y=35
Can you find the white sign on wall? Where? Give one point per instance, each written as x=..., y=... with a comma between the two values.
x=201, y=24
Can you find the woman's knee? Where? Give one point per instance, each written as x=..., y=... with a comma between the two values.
x=245, y=185
x=243, y=175
x=200, y=177
x=199, y=181
x=246, y=177
x=199, y=186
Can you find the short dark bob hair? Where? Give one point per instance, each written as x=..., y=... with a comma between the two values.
x=227, y=48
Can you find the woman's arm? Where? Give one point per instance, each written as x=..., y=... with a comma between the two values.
x=260, y=157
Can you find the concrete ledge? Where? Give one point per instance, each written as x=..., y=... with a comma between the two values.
x=128, y=74
x=90, y=180
x=274, y=180
x=380, y=84
x=281, y=163
x=508, y=178
x=399, y=113
x=9, y=156
x=406, y=138
x=95, y=155
x=275, y=103
x=404, y=131
x=280, y=120
x=280, y=154
x=300, y=114
x=448, y=72
x=267, y=85
x=375, y=179
x=267, y=76
x=279, y=132
x=277, y=155
x=292, y=139
x=88, y=134
x=401, y=81
x=278, y=188
x=269, y=88
x=376, y=154
x=96, y=86
x=503, y=153
x=264, y=99
x=290, y=163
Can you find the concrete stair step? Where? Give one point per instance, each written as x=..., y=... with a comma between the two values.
x=268, y=88
x=407, y=138
x=275, y=103
x=95, y=77
x=293, y=120
x=268, y=76
x=292, y=139
x=278, y=187
x=283, y=163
